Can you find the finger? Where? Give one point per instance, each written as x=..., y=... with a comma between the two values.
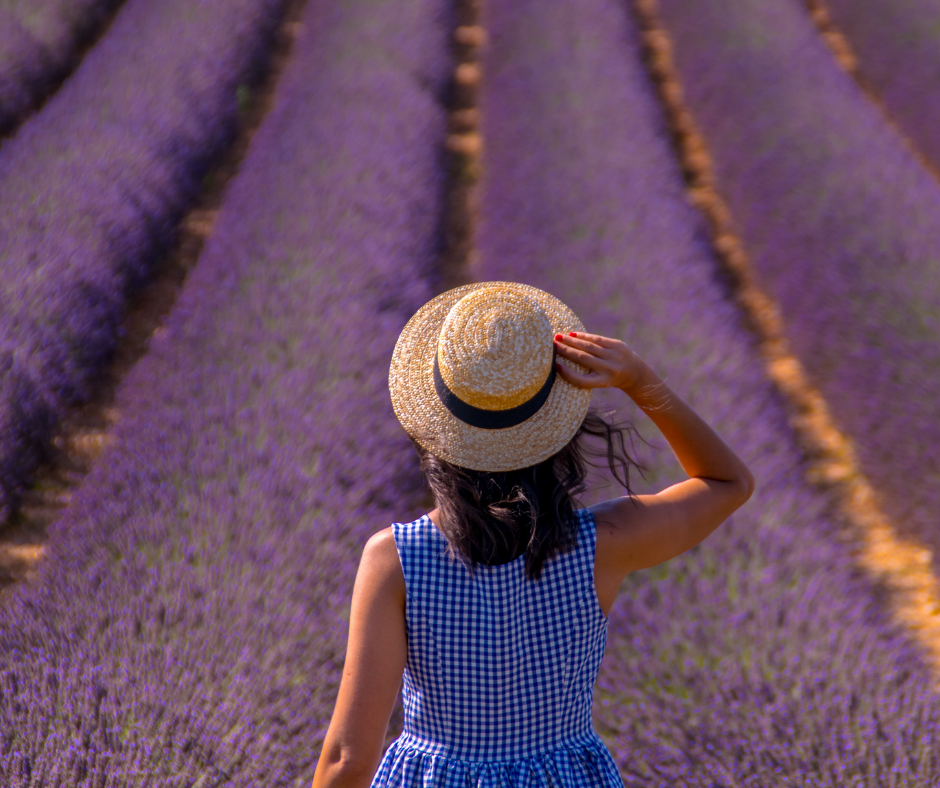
x=578, y=379
x=597, y=339
x=585, y=345
x=582, y=357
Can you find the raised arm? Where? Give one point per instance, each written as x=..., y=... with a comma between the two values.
x=649, y=529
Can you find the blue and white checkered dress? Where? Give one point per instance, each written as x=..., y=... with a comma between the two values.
x=500, y=672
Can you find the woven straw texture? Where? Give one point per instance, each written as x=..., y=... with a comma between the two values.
x=496, y=351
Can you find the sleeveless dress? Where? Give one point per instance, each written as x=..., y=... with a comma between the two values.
x=500, y=670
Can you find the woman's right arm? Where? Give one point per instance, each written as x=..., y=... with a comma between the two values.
x=648, y=529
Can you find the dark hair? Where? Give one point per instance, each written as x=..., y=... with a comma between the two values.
x=494, y=517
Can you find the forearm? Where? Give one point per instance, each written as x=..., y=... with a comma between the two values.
x=699, y=449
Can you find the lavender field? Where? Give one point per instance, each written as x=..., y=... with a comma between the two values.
x=93, y=187
x=40, y=41
x=594, y=208
x=187, y=623
x=897, y=46
x=200, y=578
x=840, y=221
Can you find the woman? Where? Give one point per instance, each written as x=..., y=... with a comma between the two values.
x=494, y=605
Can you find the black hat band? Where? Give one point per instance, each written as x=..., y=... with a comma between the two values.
x=492, y=419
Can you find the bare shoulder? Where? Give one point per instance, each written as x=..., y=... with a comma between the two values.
x=380, y=564
x=614, y=517
x=621, y=525
x=382, y=545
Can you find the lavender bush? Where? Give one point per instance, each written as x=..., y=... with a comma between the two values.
x=840, y=222
x=898, y=49
x=763, y=657
x=188, y=627
x=92, y=189
x=39, y=43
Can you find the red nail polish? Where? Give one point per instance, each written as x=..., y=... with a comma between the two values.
x=572, y=333
x=558, y=337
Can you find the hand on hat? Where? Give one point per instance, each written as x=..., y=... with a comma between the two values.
x=611, y=363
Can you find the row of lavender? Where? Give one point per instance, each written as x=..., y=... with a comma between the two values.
x=840, y=223
x=761, y=658
x=189, y=623
x=93, y=187
x=897, y=43
x=39, y=43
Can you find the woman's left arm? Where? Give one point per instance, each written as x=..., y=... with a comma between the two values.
x=375, y=661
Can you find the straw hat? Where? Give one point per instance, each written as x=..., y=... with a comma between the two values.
x=473, y=377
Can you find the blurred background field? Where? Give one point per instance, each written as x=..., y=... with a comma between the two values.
x=216, y=217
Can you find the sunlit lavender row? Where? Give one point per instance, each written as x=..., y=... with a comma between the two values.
x=761, y=658
x=93, y=186
x=39, y=43
x=897, y=43
x=189, y=624
x=841, y=224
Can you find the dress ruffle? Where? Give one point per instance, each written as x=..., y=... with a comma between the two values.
x=579, y=763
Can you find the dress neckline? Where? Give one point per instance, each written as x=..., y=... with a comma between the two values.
x=507, y=563
x=484, y=566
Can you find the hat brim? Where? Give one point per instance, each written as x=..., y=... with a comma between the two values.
x=435, y=428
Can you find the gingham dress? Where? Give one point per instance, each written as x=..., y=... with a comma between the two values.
x=500, y=670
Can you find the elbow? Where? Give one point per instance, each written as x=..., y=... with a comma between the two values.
x=344, y=768
x=745, y=484
x=354, y=773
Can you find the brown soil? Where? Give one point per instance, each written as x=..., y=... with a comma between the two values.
x=464, y=147
x=89, y=429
